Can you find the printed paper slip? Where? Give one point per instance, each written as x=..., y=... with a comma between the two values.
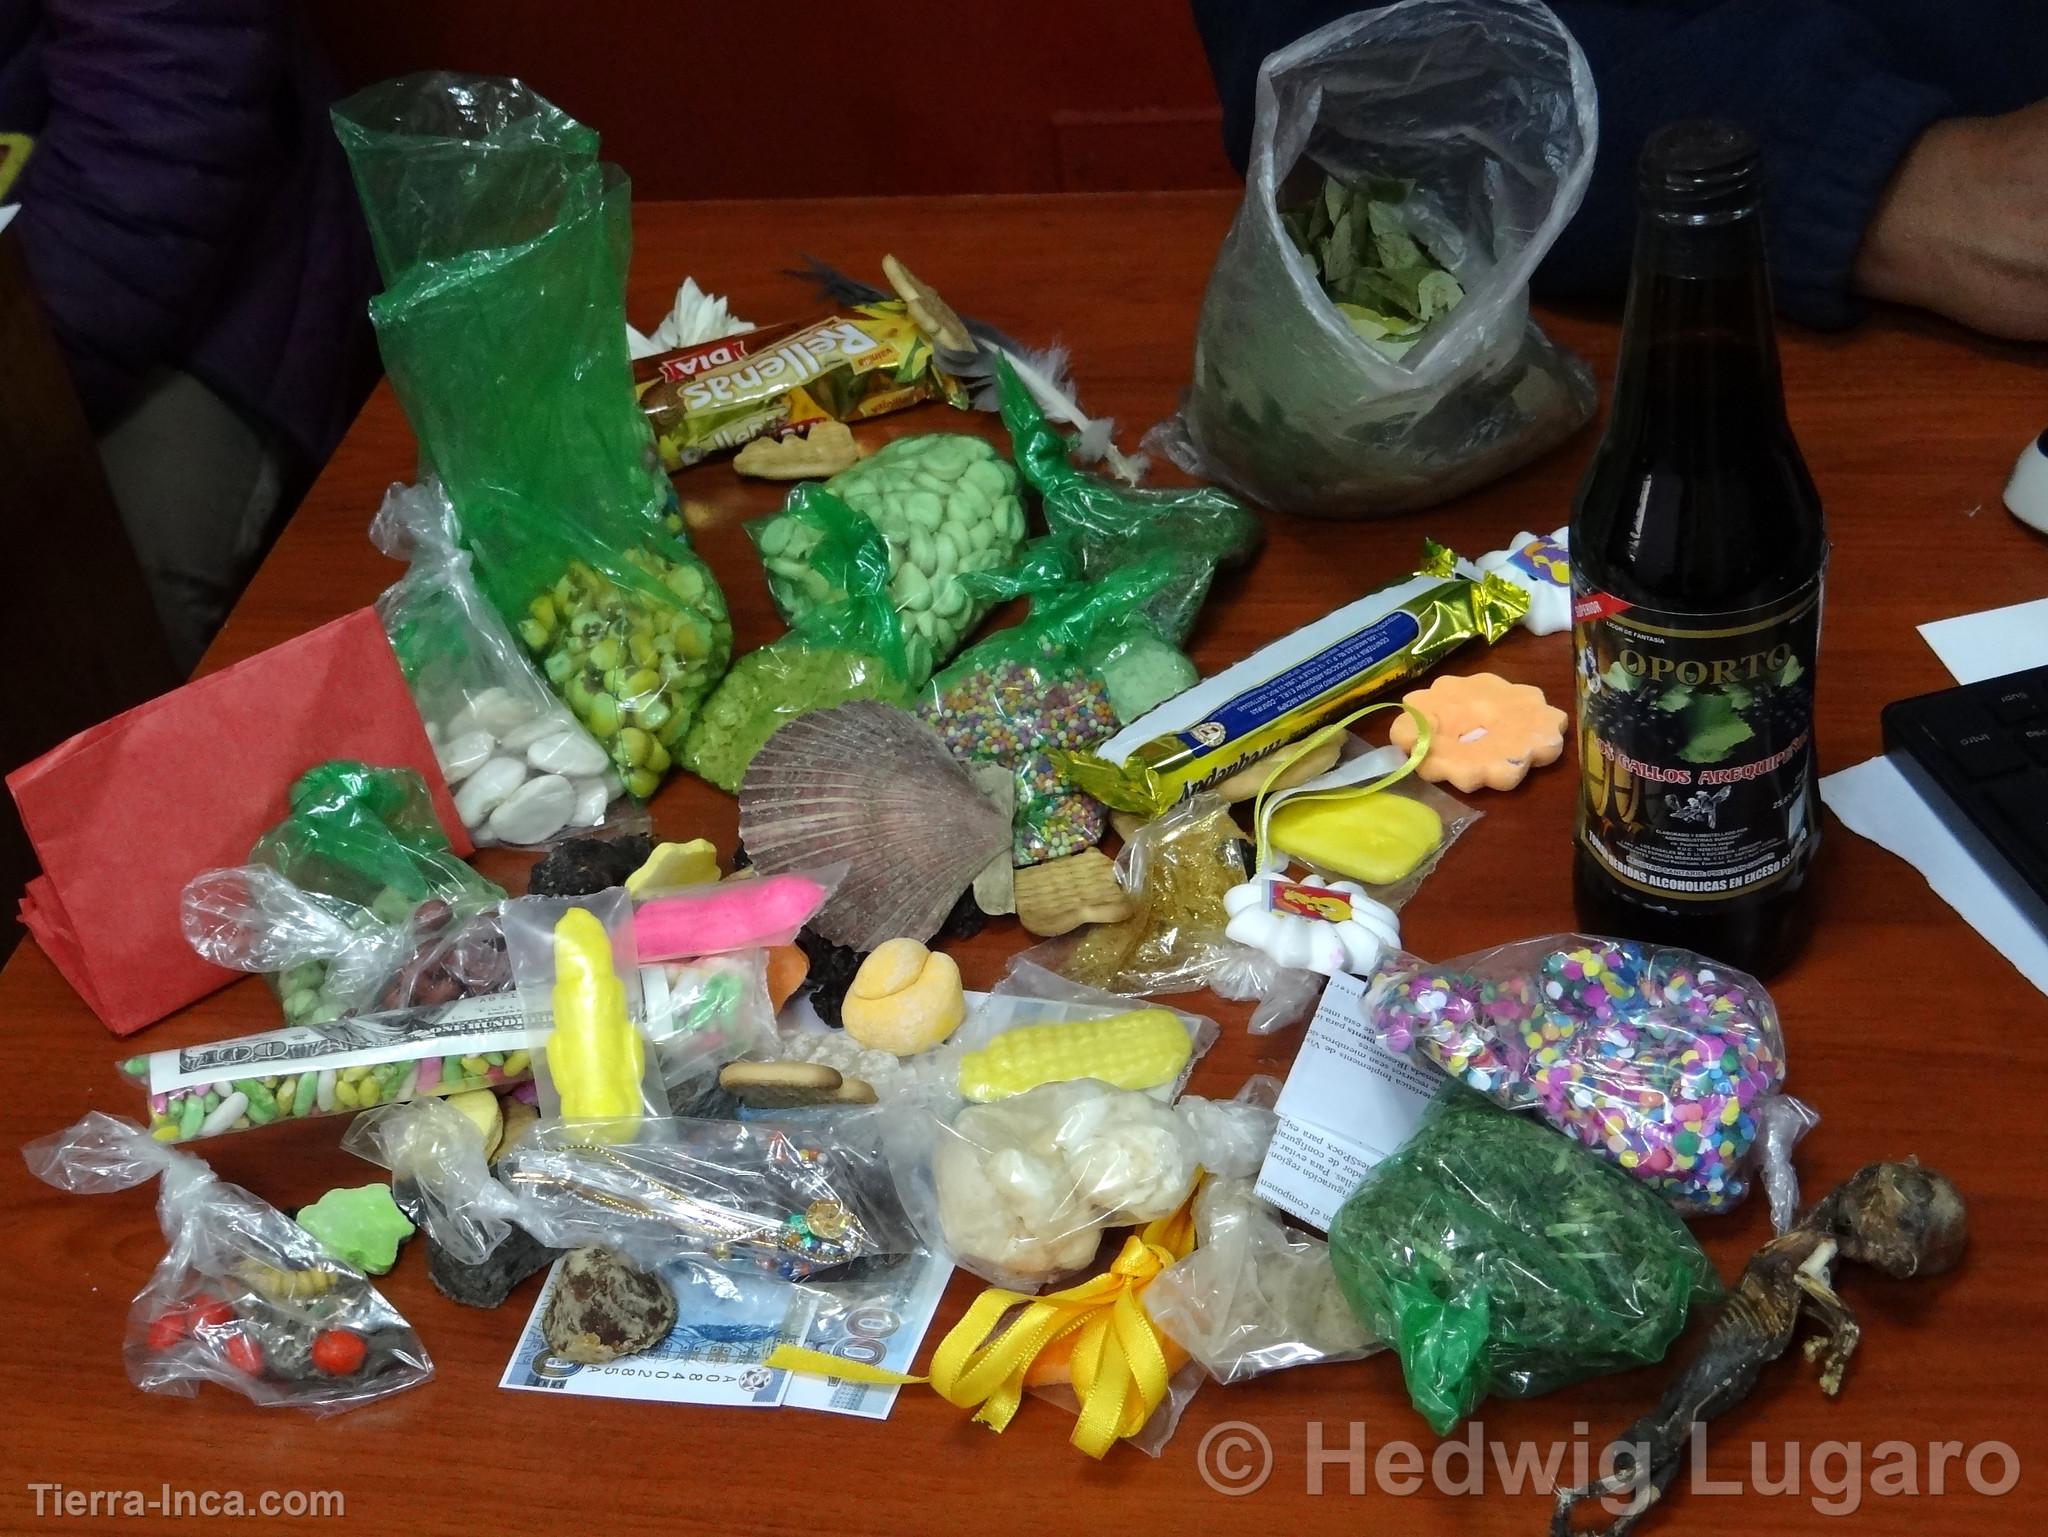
x=1347, y=1104
x=727, y=1324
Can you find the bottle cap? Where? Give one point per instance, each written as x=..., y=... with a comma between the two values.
x=1700, y=167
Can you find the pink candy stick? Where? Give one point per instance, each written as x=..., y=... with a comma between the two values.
x=732, y=915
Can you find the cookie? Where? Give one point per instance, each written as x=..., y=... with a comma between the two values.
x=781, y=1085
x=1061, y=895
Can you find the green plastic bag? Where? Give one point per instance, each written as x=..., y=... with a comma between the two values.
x=339, y=896
x=851, y=648
x=1200, y=527
x=503, y=243
x=948, y=505
x=1499, y=1258
x=1050, y=684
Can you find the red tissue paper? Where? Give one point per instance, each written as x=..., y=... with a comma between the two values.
x=124, y=814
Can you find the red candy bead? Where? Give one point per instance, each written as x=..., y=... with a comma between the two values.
x=243, y=1354
x=337, y=1352
x=209, y=1313
x=170, y=1326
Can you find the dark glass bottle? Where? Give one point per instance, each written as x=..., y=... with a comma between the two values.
x=1698, y=551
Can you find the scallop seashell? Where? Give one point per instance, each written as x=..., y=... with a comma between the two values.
x=871, y=786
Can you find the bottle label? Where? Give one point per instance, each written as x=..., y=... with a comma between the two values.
x=1696, y=742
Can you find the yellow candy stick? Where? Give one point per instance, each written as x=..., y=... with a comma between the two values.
x=594, y=1054
x=1138, y=1050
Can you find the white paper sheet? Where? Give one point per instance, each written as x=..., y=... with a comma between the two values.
x=1992, y=643
x=1877, y=801
x=1347, y=1104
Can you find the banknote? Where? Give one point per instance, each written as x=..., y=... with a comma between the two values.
x=727, y=1323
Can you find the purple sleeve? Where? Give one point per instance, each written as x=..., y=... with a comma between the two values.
x=161, y=137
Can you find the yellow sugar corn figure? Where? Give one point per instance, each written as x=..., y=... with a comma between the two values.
x=594, y=1055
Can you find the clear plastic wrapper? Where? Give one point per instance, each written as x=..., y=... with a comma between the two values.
x=853, y=647
x=1179, y=865
x=1257, y=1295
x=574, y=961
x=1656, y=1059
x=503, y=245
x=243, y=1296
x=705, y=1013
x=1030, y=997
x=523, y=769
x=1019, y=1191
x=340, y=896
x=1482, y=115
x=1497, y=1259
x=798, y=1198
x=216, y=1087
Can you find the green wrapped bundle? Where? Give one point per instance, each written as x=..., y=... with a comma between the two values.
x=1499, y=1258
x=1199, y=528
x=503, y=241
x=850, y=648
x=948, y=507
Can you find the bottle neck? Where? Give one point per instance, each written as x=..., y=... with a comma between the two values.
x=1699, y=354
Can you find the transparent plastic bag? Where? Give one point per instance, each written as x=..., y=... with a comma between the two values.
x=503, y=243
x=496, y=727
x=338, y=1068
x=853, y=647
x=574, y=961
x=798, y=1198
x=340, y=897
x=1257, y=1295
x=244, y=1296
x=1178, y=865
x=1487, y=107
x=1020, y=1190
x=1495, y=1258
x=1656, y=1059
x=1029, y=995
x=705, y=1013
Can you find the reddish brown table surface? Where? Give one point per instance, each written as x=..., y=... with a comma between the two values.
x=1906, y=1030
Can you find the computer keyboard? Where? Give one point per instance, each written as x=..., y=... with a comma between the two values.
x=1978, y=755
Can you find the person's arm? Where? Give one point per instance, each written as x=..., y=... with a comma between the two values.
x=1962, y=227
x=1813, y=81
x=161, y=137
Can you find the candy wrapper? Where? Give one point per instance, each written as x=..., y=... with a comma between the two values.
x=1256, y=1295
x=1496, y=1259
x=850, y=647
x=523, y=768
x=340, y=897
x=244, y=1297
x=1027, y=695
x=1201, y=528
x=853, y=364
x=502, y=240
x=947, y=505
x=1658, y=1060
x=123, y=814
x=1294, y=685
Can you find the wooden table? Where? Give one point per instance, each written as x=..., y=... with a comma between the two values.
x=1906, y=1030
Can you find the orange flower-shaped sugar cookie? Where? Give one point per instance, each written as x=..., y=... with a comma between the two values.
x=1483, y=731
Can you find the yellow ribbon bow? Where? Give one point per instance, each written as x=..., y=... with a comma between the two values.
x=1119, y=1367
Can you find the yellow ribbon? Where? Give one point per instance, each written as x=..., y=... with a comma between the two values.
x=1287, y=757
x=1120, y=1373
